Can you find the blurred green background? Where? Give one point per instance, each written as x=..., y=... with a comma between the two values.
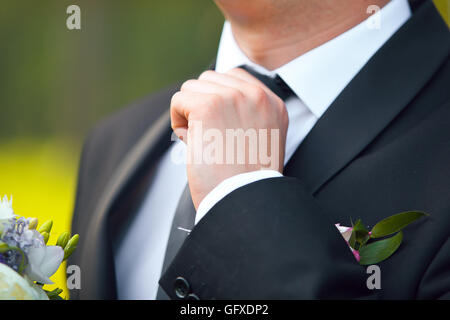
x=56, y=83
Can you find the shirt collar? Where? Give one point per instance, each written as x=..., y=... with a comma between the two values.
x=319, y=76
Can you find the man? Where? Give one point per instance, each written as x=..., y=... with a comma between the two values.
x=361, y=113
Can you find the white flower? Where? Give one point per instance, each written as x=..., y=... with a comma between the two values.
x=346, y=233
x=15, y=287
x=39, y=292
x=43, y=261
x=6, y=211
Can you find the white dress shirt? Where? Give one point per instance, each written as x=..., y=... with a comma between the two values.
x=316, y=77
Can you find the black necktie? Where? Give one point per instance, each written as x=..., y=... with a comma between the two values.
x=276, y=84
x=184, y=218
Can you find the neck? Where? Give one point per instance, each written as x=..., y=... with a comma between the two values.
x=274, y=32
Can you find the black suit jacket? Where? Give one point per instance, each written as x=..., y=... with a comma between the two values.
x=382, y=147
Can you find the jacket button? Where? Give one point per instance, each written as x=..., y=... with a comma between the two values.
x=192, y=296
x=181, y=287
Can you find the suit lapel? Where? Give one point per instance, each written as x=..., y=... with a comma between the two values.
x=380, y=91
x=97, y=255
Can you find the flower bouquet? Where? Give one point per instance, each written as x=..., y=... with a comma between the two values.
x=26, y=261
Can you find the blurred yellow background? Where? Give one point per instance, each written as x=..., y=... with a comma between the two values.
x=55, y=84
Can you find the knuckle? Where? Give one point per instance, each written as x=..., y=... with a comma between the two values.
x=214, y=100
x=205, y=74
x=258, y=94
x=235, y=71
x=174, y=98
x=236, y=95
x=187, y=84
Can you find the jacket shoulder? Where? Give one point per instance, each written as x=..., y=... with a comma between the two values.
x=120, y=130
x=109, y=142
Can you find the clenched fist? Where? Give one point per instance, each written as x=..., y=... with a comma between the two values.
x=232, y=123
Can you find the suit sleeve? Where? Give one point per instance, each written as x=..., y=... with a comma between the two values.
x=266, y=240
x=229, y=185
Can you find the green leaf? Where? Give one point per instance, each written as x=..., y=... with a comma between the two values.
x=395, y=223
x=54, y=294
x=359, y=235
x=380, y=250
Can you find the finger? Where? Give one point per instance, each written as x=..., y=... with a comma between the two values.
x=208, y=87
x=224, y=79
x=244, y=83
x=247, y=77
x=181, y=107
x=238, y=79
x=178, y=116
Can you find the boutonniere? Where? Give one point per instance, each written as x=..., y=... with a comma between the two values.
x=378, y=244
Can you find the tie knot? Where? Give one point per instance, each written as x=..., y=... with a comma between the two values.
x=276, y=84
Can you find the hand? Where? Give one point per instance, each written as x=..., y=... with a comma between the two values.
x=232, y=123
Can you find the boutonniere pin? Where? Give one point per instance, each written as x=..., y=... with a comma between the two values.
x=378, y=244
